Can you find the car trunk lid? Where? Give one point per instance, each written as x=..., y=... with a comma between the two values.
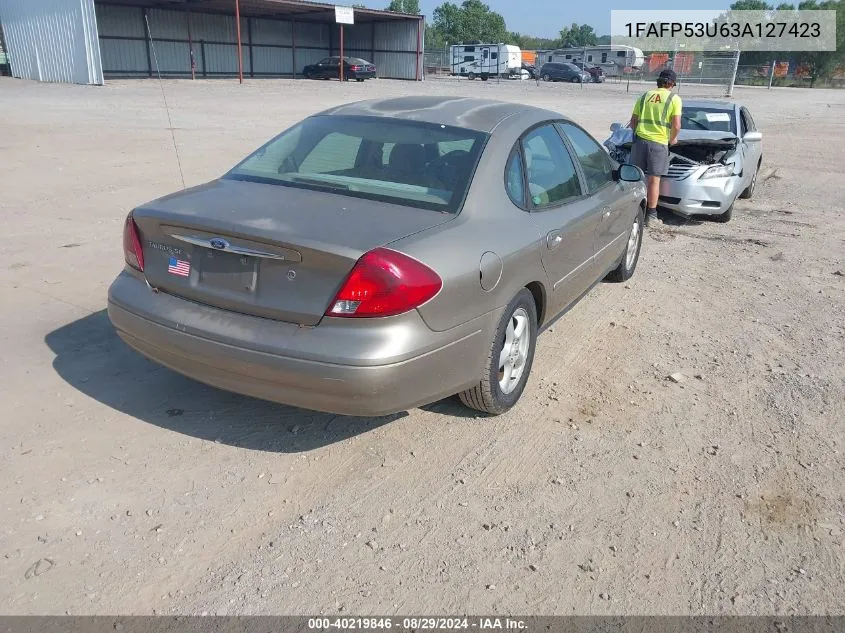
x=266, y=250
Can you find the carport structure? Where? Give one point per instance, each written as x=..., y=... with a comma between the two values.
x=201, y=38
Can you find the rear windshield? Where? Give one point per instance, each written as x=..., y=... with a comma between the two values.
x=421, y=165
x=693, y=118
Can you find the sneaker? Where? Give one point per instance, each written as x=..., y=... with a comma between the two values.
x=651, y=217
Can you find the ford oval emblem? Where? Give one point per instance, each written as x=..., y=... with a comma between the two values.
x=219, y=243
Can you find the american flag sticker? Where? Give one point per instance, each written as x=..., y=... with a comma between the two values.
x=179, y=267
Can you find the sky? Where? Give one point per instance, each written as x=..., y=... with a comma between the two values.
x=545, y=18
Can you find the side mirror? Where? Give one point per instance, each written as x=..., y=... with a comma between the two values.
x=630, y=173
x=753, y=137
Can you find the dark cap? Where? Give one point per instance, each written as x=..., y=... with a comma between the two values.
x=668, y=75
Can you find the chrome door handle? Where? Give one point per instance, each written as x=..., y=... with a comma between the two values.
x=554, y=239
x=606, y=212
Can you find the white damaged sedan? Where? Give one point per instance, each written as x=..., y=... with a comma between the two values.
x=716, y=159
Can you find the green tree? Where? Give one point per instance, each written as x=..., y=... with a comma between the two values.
x=530, y=42
x=578, y=35
x=472, y=20
x=411, y=7
x=750, y=5
x=822, y=64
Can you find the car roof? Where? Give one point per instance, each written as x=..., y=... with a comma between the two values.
x=482, y=115
x=710, y=103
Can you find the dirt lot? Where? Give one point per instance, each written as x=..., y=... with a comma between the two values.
x=126, y=488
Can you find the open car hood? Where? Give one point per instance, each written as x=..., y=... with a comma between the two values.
x=707, y=138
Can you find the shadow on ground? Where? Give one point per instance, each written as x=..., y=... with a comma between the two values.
x=672, y=219
x=93, y=359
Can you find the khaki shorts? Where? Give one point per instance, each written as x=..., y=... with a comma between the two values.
x=651, y=157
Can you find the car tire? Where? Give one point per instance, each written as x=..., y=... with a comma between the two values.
x=576, y=80
x=488, y=396
x=749, y=191
x=471, y=76
x=726, y=216
x=546, y=77
x=628, y=264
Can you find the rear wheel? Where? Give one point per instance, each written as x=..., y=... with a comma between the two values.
x=625, y=270
x=471, y=76
x=509, y=360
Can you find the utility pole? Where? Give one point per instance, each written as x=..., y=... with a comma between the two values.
x=733, y=75
x=240, y=55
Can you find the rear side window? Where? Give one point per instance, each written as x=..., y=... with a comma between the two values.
x=515, y=179
x=416, y=164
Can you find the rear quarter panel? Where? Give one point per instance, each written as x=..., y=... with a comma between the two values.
x=488, y=223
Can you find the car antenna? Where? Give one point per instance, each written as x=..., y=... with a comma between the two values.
x=164, y=96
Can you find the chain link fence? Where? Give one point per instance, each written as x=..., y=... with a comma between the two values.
x=705, y=74
x=437, y=63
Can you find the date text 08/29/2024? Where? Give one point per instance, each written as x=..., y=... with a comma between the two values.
x=415, y=624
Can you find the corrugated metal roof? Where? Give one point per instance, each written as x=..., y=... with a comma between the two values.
x=297, y=9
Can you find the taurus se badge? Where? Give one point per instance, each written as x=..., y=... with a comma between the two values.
x=218, y=243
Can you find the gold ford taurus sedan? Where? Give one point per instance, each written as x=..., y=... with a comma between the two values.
x=380, y=256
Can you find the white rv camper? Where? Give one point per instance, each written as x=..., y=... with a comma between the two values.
x=612, y=59
x=486, y=60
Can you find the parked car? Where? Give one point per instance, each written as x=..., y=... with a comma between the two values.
x=329, y=68
x=553, y=71
x=381, y=255
x=715, y=161
x=596, y=73
x=531, y=69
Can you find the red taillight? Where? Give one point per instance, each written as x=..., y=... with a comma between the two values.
x=385, y=283
x=132, y=251
x=355, y=67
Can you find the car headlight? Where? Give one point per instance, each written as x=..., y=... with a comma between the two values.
x=719, y=171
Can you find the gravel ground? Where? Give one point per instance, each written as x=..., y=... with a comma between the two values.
x=126, y=488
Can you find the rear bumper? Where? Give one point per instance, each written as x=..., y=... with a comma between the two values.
x=340, y=367
x=361, y=74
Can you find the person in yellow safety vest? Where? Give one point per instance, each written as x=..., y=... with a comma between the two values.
x=656, y=121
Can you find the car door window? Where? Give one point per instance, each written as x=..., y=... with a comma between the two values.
x=552, y=179
x=747, y=123
x=751, y=125
x=595, y=163
x=515, y=179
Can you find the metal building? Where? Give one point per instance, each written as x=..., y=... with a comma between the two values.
x=89, y=41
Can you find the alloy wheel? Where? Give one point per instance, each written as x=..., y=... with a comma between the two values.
x=514, y=352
